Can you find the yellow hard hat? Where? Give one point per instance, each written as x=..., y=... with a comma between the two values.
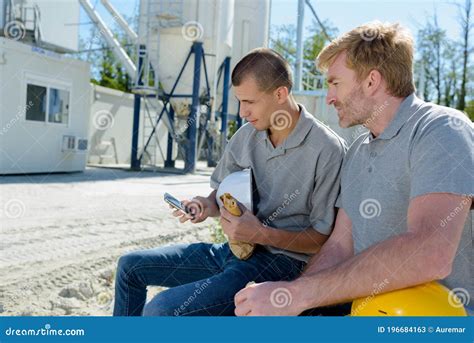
x=429, y=299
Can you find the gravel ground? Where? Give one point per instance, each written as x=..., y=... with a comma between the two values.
x=61, y=234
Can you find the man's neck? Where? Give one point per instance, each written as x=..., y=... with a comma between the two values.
x=383, y=113
x=278, y=135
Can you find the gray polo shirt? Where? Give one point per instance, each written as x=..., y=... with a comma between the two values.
x=425, y=149
x=297, y=182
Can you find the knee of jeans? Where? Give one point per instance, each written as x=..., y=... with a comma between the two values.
x=158, y=306
x=126, y=263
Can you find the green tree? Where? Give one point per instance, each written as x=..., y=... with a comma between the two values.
x=446, y=64
x=450, y=75
x=465, y=19
x=111, y=72
x=431, y=44
x=106, y=69
x=470, y=109
x=283, y=41
x=315, y=42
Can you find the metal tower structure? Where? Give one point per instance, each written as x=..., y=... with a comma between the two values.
x=150, y=93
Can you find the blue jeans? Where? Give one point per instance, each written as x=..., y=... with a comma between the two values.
x=203, y=279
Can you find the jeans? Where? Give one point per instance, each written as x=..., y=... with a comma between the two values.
x=202, y=279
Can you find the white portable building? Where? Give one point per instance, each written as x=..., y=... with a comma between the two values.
x=44, y=110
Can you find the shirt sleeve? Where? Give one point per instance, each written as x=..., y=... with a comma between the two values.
x=338, y=203
x=441, y=157
x=326, y=189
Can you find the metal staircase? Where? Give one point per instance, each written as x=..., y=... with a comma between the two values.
x=23, y=23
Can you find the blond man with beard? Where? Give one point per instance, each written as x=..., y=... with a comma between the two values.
x=406, y=186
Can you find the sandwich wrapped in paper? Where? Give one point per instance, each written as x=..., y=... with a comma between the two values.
x=237, y=187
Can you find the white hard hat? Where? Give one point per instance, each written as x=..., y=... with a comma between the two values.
x=239, y=185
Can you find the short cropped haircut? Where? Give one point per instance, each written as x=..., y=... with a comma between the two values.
x=387, y=48
x=269, y=69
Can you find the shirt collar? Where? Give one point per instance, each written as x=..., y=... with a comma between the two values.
x=407, y=108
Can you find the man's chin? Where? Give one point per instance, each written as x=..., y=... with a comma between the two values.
x=258, y=127
x=344, y=124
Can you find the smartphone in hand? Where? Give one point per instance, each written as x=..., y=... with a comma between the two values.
x=175, y=203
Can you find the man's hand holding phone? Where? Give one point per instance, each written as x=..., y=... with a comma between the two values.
x=196, y=210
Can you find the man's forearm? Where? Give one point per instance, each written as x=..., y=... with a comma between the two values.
x=331, y=254
x=338, y=248
x=214, y=210
x=308, y=241
x=399, y=262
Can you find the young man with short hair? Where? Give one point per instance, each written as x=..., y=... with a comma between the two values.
x=295, y=161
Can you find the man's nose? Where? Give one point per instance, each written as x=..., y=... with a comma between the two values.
x=243, y=112
x=330, y=98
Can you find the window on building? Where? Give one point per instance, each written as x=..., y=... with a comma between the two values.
x=47, y=103
x=58, y=106
x=36, y=98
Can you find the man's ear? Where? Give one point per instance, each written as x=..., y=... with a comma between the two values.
x=281, y=94
x=373, y=82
